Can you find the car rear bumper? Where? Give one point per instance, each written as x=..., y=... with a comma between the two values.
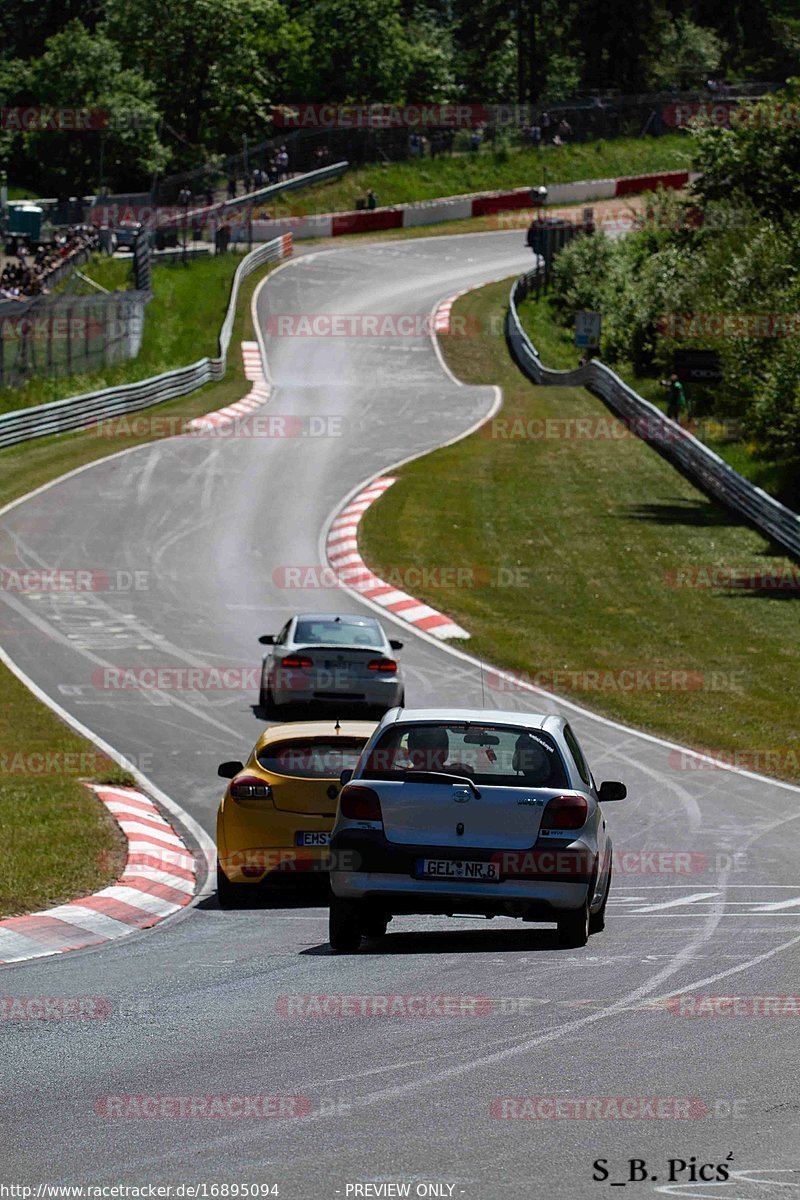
x=370, y=693
x=539, y=880
x=275, y=863
x=533, y=900
x=371, y=852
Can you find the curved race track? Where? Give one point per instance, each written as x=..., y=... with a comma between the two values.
x=208, y=522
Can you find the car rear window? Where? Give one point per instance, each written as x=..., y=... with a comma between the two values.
x=311, y=758
x=338, y=633
x=490, y=754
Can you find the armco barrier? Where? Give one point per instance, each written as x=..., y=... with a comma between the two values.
x=162, y=216
x=711, y=473
x=78, y=412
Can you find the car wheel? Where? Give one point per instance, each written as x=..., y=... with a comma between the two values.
x=267, y=703
x=573, y=926
x=344, y=926
x=375, y=925
x=231, y=895
x=597, y=920
x=401, y=702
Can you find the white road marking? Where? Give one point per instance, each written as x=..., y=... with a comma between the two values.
x=774, y=905
x=693, y=899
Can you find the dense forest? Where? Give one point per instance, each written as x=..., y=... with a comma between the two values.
x=184, y=80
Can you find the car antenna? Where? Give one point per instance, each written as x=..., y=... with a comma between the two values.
x=337, y=726
x=483, y=693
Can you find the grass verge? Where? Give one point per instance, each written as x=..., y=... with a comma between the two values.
x=56, y=840
x=182, y=324
x=406, y=182
x=555, y=345
x=594, y=535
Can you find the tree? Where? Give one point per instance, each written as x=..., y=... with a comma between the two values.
x=689, y=54
x=25, y=25
x=84, y=70
x=217, y=69
x=360, y=51
x=755, y=161
x=617, y=40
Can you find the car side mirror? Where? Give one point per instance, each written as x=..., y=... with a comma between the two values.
x=611, y=790
x=395, y=644
x=267, y=639
x=345, y=776
x=227, y=770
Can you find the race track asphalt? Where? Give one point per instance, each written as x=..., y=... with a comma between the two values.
x=209, y=525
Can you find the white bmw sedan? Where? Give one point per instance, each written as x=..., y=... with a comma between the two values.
x=453, y=811
x=341, y=662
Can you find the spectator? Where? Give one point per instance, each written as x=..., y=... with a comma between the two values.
x=564, y=130
x=231, y=187
x=282, y=163
x=676, y=397
x=546, y=124
x=372, y=199
x=475, y=141
x=19, y=279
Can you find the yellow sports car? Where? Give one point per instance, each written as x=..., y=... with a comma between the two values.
x=275, y=819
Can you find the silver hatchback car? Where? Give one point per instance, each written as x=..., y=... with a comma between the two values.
x=453, y=811
x=331, y=660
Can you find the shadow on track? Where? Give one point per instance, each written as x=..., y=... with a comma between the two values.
x=453, y=941
x=256, y=898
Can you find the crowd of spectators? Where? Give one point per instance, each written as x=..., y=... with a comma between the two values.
x=276, y=169
x=26, y=274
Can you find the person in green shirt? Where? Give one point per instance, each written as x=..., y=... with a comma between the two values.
x=676, y=397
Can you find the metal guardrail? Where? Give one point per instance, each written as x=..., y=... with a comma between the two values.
x=705, y=468
x=79, y=412
x=261, y=196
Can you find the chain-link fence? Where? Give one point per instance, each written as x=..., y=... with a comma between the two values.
x=329, y=133
x=68, y=335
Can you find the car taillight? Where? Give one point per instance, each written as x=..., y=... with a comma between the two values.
x=360, y=803
x=382, y=664
x=249, y=787
x=565, y=812
x=296, y=660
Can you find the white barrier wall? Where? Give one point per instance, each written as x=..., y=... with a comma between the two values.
x=431, y=212
x=298, y=227
x=449, y=208
x=587, y=189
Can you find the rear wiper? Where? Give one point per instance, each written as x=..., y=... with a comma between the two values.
x=441, y=777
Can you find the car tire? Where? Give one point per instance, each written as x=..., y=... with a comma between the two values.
x=401, y=702
x=597, y=920
x=344, y=926
x=573, y=926
x=267, y=703
x=231, y=895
